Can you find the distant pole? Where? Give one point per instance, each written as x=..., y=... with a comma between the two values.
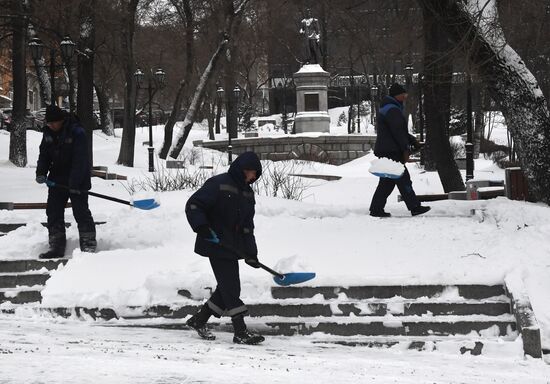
x=358, y=107
x=52, y=75
x=421, y=116
x=469, y=128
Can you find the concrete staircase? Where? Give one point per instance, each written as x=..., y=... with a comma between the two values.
x=21, y=281
x=415, y=316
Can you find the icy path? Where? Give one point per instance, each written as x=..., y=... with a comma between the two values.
x=41, y=351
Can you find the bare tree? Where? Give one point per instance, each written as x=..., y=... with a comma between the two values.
x=231, y=13
x=128, y=26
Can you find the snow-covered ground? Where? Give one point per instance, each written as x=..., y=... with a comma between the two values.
x=145, y=256
x=33, y=351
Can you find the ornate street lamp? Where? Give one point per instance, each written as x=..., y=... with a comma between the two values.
x=67, y=47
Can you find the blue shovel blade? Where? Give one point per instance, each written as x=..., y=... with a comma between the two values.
x=146, y=204
x=294, y=278
x=387, y=175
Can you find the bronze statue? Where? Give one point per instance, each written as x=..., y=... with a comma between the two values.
x=312, y=36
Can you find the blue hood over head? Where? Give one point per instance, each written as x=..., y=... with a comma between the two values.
x=247, y=160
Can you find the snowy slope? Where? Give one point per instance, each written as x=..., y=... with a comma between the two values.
x=145, y=256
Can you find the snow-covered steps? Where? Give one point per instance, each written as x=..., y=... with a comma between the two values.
x=21, y=296
x=14, y=280
x=22, y=280
x=15, y=266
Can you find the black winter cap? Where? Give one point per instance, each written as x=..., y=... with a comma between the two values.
x=54, y=113
x=397, y=89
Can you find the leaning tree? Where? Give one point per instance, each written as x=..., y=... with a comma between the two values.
x=474, y=25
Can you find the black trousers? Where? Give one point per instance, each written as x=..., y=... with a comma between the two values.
x=385, y=188
x=55, y=210
x=225, y=299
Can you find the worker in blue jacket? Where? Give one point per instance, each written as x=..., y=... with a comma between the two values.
x=64, y=160
x=393, y=141
x=221, y=212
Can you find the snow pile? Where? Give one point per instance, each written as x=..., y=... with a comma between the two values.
x=384, y=167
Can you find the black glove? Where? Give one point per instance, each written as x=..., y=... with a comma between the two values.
x=41, y=179
x=253, y=262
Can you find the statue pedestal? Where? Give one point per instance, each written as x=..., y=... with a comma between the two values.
x=311, y=99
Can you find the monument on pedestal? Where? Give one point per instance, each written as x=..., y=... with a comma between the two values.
x=311, y=83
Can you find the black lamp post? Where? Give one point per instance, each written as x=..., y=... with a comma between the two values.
x=159, y=80
x=469, y=131
x=229, y=128
x=373, y=99
x=421, y=114
x=408, y=83
x=67, y=47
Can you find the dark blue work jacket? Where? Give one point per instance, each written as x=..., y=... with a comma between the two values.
x=63, y=156
x=225, y=203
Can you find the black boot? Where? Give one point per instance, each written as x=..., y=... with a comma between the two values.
x=57, y=247
x=381, y=213
x=419, y=210
x=198, y=323
x=242, y=335
x=52, y=254
x=88, y=242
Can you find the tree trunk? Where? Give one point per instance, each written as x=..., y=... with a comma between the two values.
x=169, y=126
x=187, y=14
x=211, y=118
x=510, y=83
x=478, y=120
x=126, y=154
x=437, y=101
x=18, y=132
x=85, y=96
x=104, y=111
x=229, y=83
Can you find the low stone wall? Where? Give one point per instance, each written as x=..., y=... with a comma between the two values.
x=325, y=148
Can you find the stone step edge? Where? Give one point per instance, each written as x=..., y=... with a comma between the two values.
x=109, y=314
x=23, y=265
x=506, y=329
x=15, y=281
x=292, y=310
x=472, y=291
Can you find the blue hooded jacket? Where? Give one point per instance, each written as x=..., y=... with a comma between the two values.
x=63, y=156
x=392, y=136
x=226, y=203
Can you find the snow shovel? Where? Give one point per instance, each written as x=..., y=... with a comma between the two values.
x=283, y=279
x=145, y=204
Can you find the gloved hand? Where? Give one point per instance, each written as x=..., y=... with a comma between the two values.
x=50, y=183
x=41, y=179
x=208, y=234
x=253, y=262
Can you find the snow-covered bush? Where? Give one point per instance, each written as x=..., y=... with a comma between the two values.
x=277, y=180
x=164, y=180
